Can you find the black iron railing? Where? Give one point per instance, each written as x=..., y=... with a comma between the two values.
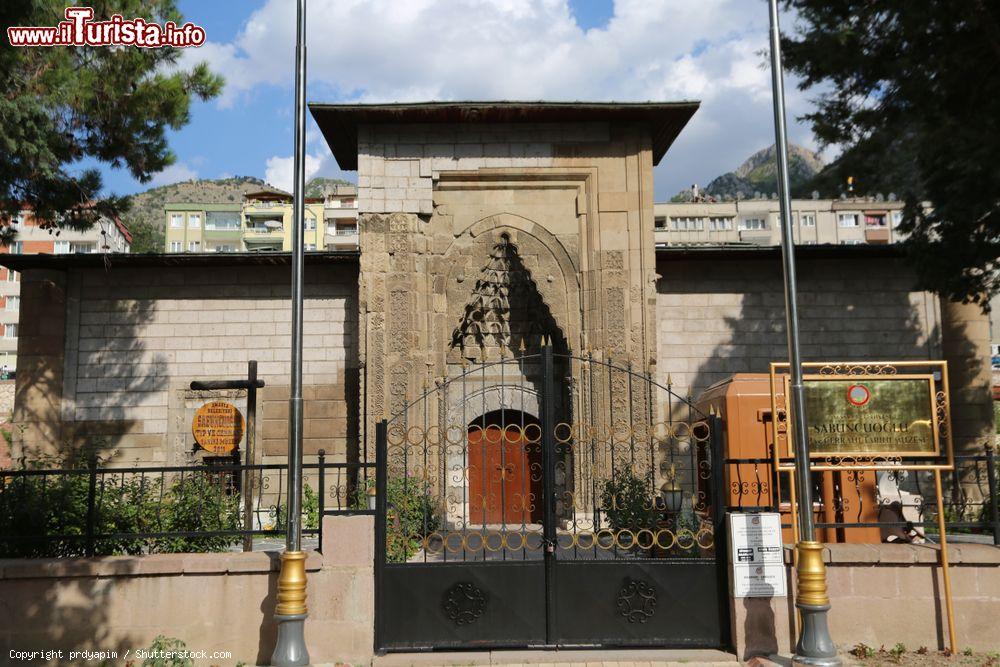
x=969, y=495
x=94, y=509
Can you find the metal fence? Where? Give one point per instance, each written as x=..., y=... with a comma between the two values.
x=970, y=496
x=217, y=506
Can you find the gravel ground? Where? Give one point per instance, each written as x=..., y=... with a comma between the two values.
x=921, y=657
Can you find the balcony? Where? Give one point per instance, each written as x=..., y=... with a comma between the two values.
x=877, y=234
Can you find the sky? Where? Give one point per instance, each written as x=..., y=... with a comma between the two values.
x=388, y=51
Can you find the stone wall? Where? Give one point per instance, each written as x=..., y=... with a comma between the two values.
x=718, y=316
x=884, y=594
x=136, y=337
x=212, y=602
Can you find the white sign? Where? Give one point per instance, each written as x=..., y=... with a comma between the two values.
x=757, y=555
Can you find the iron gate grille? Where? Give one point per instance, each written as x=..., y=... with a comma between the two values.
x=549, y=500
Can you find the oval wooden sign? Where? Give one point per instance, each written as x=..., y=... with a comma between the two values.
x=218, y=427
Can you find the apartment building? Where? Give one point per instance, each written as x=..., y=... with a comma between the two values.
x=262, y=222
x=107, y=236
x=757, y=222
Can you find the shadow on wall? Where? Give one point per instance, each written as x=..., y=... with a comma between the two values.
x=64, y=613
x=718, y=318
x=101, y=374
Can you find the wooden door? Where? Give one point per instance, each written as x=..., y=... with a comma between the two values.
x=504, y=477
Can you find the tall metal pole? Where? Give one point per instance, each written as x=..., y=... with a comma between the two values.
x=814, y=646
x=291, y=611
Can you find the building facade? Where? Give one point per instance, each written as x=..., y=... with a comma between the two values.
x=262, y=223
x=757, y=221
x=107, y=236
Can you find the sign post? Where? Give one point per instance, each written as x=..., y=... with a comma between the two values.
x=251, y=384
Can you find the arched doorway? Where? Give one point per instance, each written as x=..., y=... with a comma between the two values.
x=505, y=469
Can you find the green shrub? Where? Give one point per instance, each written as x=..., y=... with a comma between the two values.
x=310, y=510
x=628, y=502
x=164, y=648
x=410, y=515
x=36, y=510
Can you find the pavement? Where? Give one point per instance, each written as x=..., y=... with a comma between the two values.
x=570, y=657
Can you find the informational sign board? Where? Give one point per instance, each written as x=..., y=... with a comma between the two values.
x=757, y=555
x=218, y=427
x=871, y=415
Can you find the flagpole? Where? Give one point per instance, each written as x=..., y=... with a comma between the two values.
x=814, y=646
x=291, y=612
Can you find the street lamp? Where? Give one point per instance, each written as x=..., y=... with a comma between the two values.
x=814, y=646
x=291, y=612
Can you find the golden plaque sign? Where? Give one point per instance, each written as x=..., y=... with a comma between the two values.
x=865, y=415
x=218, y=427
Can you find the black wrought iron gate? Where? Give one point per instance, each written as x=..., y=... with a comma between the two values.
x=549, y=500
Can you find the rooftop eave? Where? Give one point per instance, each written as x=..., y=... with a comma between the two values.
x=339, y=122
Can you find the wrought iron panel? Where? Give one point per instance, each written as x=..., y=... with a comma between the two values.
x=643, y=603
x=474, y=605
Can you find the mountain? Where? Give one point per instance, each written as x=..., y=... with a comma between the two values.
x=758, y=174
x=145, y=218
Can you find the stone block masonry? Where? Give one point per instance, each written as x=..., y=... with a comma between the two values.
x=136, y=338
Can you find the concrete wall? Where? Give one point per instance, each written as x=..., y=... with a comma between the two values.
x=212, y=602
x=881, y=594
x=136, y=337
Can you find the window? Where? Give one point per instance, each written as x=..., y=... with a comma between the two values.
x=687, y=224
x=61, y=247
x=347, y=230
x=848, y=219
x=224, y=248
x=176, y=246
x=222, y=220
x=10, y=331
x=12, y=276
x=660, y=222
x=897, y=219
x=719, y=223
x=310, y=224
x=348, y=203
x=194, y=220
x=310, y=246
x=194, y=246
x=176, y=220
x=807, y=220
x=17, y=247
x=753, y=224
x=13, y=303
x=851, y=242
x=82, y=248
x=874, y=220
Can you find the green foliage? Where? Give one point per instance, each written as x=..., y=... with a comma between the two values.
x=164, y=650
x=862, y=651
x=46, y=515
x=911, y=91
x=897, y=651
x=310, y=511
x=147, y=236
x=628, y=502
x=410, y=515
x=63, y=105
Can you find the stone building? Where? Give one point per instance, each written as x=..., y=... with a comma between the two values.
x=484, y=227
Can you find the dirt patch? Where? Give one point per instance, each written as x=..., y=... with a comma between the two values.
x=919, y=657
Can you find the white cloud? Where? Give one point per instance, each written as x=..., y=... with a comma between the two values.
x=175, y=173
x=280, y=171
x=386, y=50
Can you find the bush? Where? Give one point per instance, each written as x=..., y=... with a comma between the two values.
x=628, y=502
x=410, y=515
x=46, y=516
x=310, y=511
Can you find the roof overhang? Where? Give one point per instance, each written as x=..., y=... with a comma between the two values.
x=339, y=122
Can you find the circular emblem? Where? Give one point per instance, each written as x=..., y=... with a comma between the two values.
x=218, y=427
x=858, y=394
x=464, y=603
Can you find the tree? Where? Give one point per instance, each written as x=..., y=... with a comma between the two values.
x=911, y=92
x=64, y=105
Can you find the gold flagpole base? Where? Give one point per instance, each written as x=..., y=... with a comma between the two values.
x=290, y=612
x=814, y=646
